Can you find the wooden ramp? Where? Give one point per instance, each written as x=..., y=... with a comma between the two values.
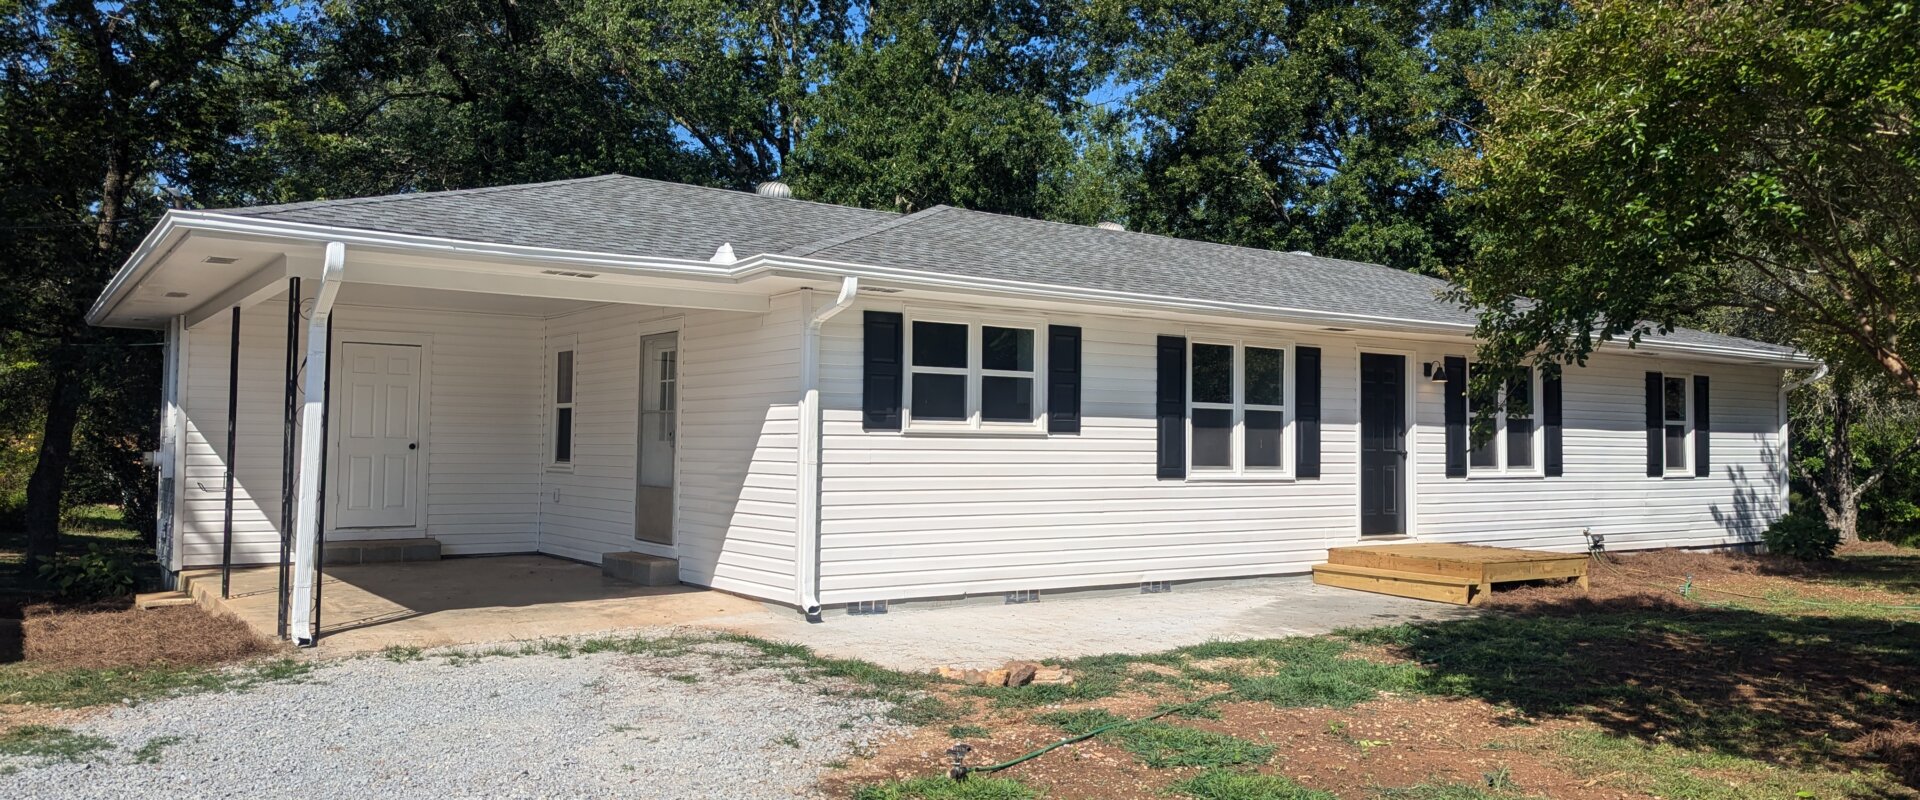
x=1449, y=573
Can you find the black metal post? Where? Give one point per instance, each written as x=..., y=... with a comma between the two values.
x=233, y=413
x=320, y=526
x=287, y=460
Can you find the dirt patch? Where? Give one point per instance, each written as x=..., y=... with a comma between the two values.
x=1390, y=742
x=1657, y=577
x=59, y=638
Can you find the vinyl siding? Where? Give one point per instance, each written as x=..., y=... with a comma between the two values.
x=907, y=515
x=739, y=379
x=483, y=432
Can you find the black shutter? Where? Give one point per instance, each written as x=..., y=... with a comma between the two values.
x=1656, y=421
x=1702, y=426
x=1456, y=367
x=1306, y=417
x=1550, y=419
x=880, y=410
x=1063, y=379
x=1171, y=405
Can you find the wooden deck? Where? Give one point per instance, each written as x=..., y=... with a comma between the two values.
x=1462, y=574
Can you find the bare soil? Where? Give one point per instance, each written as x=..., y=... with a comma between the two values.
x=1822, y=681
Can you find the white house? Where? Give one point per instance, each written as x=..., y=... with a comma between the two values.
x=826, y=406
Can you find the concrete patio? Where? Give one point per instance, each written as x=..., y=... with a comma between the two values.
x=367, y=607
x=503, y=598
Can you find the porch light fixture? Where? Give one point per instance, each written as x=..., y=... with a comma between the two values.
x=1436, y=371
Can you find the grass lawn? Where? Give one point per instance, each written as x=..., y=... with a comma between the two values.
x=83, y=527
x=1686, y=676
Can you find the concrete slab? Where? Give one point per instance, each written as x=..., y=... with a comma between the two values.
x=984, y=636
x=366, y=607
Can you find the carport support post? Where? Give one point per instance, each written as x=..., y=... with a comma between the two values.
x=287, y=460
x=313, y=449
x=233, y=413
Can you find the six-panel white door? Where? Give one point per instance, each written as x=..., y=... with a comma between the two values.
x=379, y=440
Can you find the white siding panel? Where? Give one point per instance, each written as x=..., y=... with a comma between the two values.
x=921, y=516
x=483, y=444
x=739, y=382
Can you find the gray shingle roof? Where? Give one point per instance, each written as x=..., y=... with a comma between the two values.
x=614, y=214
x=622, y=215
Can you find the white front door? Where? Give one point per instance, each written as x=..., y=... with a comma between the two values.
x=379, y=439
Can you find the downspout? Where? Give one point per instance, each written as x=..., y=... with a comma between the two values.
x=807, y=548
x=1786, y=446
x=313, y=449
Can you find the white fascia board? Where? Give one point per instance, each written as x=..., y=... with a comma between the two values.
x=152, y=250
x=767, y=265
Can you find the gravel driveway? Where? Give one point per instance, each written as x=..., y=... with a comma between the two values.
x=713, y=722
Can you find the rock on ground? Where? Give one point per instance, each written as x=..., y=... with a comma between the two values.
x=717, y=722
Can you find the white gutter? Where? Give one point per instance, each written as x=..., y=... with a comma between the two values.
x=306, y=519
x=766, y=265
x=807, y=480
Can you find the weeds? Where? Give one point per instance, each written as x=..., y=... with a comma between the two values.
x=51, y=744
x=1222, y=784
x=149, y=753
x=943, y=788
x=1161, y=745
x=77, y=688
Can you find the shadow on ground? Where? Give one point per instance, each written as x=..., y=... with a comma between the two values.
x=1804, y=690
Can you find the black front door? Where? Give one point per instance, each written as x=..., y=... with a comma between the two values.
x=1383, y=443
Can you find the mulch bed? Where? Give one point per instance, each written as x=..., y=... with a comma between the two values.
x=59, y=637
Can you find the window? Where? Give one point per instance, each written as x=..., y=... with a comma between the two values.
x=973, y=376
x=1678, y=415
x=1512, y=446
x=563, y=407
x=1237, y=408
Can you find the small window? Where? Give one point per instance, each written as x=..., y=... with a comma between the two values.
x=563, y=407
x=1678, y=415
x=1237, y=409
x=1512, y=446
x=973, y=376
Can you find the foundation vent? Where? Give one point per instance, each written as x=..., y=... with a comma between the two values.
x=1156, y=587
x=1023, y=596
x=865, y=608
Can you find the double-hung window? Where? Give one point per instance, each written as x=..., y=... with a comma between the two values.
x=1237, y=416
x=969, y=375
x=562, y=433
x=1676, y=401
x=1512, y=446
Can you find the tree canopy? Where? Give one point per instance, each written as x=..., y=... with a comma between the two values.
x=1661, y=160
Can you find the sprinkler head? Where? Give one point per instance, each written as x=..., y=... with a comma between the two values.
x=959, y=752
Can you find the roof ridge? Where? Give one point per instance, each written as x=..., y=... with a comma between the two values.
x=1182, y=241
x=851, y=236
x=723, y=189
x=383, y=198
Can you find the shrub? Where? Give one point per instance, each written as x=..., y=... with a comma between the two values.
x=98, y=575
x=1802, y=536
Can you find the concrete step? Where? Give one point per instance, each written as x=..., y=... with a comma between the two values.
x=162, y=599
x=377, y=551
x=1422, y=586
x=640, y=568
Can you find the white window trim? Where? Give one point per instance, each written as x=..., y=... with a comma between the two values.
x=1686, y=446
x=1239, y=471
x=555, y=347
x=974, y=372
x=1502, y=470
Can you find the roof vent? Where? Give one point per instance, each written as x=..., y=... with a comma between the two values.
x=1110, y=225
x=1299, y=253
x=723, y=254
x=567, y=273
x=220, y=259
x=774, y=189
x=176, y=295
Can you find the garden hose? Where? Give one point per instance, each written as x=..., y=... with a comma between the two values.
x=961, y=772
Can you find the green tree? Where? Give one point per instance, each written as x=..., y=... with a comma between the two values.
x=1660, y=160
x=1308, y=125
x=99, y=103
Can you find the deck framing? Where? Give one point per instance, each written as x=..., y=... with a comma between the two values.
x=1463, y=574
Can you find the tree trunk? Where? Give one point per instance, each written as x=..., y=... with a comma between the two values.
x=49, y=480
x=1838, y=500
